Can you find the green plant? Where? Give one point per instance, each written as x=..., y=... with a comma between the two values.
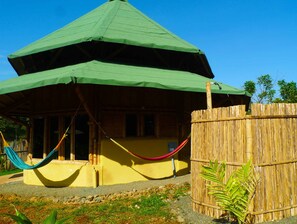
x=21, y=218
x=235, y=195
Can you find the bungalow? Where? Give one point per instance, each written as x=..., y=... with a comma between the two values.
x=111, y=73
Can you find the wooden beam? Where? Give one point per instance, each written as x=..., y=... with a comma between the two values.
x=161, y=58
x=115, y=53
x=54, y=58
x=84, y=51
x=14, y=106
x=208, y=95
x=33, y=64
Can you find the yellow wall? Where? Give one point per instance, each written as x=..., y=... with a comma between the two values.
x=116, y=166
x=120, y=167
x=63, y=174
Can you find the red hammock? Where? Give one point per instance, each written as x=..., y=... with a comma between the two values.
x=170, y=154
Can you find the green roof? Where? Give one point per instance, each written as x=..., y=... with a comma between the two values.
x=116, y=21
x=101, y=73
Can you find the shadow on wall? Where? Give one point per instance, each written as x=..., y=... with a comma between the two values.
x=57, y=184
x=179, y=173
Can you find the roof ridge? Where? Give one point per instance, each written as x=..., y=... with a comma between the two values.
x=101, y=23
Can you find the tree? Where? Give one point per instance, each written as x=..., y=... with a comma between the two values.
x=288, y=91
x=262, y=91
x=11, y=130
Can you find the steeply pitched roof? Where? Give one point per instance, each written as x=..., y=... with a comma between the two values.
x=116, y=21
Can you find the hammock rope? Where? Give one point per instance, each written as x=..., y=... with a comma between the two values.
x=157, y=158
x=19, y=163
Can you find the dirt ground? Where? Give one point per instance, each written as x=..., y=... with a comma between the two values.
x=13, y=184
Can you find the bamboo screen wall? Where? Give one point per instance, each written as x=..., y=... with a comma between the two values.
x=268, y=136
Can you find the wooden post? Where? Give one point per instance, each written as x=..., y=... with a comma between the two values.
x=31, y=131
x=92, y=155
x=208, y=95
x=61, y=127
x=72, y=141
x=46, y=137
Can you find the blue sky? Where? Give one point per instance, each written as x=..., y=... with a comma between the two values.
x=242, y=39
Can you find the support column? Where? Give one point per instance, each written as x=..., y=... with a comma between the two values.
x=30, y=137
x=46, y=137
x=92, y=145
x=72, y=141
x=61, y=132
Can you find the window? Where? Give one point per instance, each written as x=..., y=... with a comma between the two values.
x=55, y=127
x=81, y=137
x=140, y=125
x=131, y=125
x=38, y=142
x=149, y=125
x=53, y=132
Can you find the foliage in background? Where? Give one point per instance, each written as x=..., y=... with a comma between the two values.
x=288, y=92
x=263, y=90
x=235, y=194
x=12, y=131
x=2, y=162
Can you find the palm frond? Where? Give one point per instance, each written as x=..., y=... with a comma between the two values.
x=235, y=195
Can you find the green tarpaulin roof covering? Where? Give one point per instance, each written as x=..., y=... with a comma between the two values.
x=115, y=21
x=101, y=73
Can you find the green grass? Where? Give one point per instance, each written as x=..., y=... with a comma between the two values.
x=150, y=205
x=6, y=172
x=153, y=207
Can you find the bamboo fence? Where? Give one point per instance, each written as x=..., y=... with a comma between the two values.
x=267, y=136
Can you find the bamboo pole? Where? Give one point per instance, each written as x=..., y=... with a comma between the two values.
x=208, y=95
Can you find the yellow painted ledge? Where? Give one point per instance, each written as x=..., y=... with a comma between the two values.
x=64, y=174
